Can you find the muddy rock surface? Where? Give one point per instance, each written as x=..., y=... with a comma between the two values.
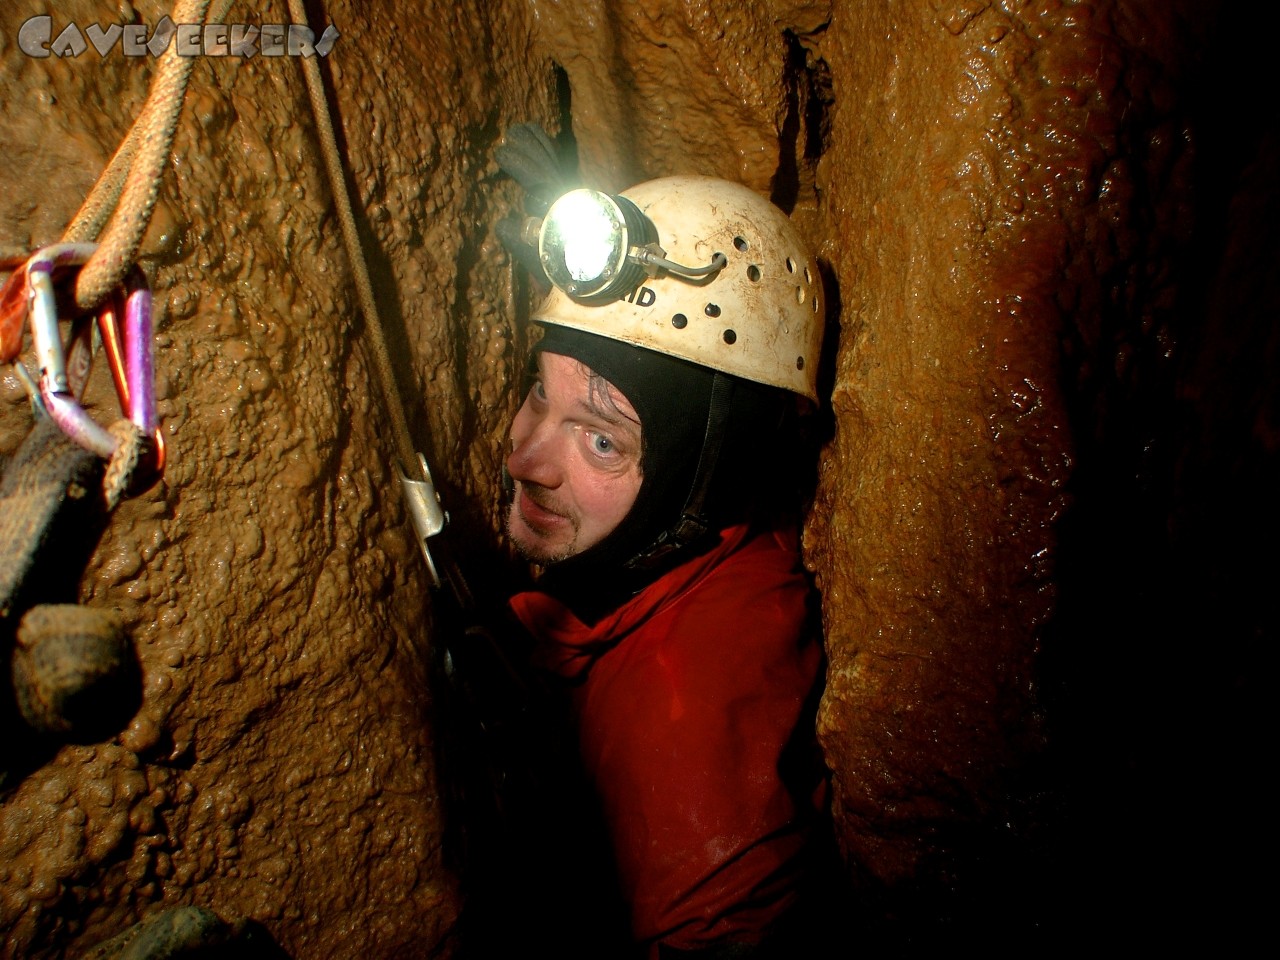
x=1050, y=441
x=279, y=767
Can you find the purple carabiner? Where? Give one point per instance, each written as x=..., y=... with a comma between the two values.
x=59, y=389
x=129, y=349
x=130, y=356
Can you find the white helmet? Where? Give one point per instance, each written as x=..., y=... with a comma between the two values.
x=759, y=317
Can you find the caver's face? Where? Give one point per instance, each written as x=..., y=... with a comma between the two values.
x=575, y=461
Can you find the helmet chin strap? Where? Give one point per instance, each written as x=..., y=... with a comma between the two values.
x=694, y=522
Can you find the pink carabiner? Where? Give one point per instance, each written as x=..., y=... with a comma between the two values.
x=30, y=291
x=130, y=357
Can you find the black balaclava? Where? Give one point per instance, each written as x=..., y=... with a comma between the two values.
x=672, y=398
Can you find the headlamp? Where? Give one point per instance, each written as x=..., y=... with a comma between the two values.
x=596, y=247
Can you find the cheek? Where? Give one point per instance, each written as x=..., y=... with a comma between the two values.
x=611, y=498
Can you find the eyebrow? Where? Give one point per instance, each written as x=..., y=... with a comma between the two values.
x=599, y=386
x=618, y=419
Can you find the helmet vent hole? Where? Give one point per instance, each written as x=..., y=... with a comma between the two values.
x=753, y=273
x=740, y=244
x=808, y=277
x=713, y=309
x=791, y=265
x=730, y=337
x=814, y=301
x=799, y=363
x=799, y=294
x=679, y=321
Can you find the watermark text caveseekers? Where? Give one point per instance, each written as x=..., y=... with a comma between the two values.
x=36, y=39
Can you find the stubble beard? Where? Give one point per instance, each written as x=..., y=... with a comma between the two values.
x=528, y=551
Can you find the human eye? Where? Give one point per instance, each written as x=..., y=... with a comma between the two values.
x=602, y=445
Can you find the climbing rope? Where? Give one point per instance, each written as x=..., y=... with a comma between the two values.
x=373, y=328
x=421, y=499
x=127, y=190
x=130, y=444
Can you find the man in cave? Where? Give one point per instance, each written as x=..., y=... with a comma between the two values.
x=652, y=478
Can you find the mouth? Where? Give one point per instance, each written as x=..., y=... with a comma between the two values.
x=537, y=516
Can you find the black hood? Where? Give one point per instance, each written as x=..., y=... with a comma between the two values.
x=674, y=400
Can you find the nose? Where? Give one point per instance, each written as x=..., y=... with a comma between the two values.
x=533, y=456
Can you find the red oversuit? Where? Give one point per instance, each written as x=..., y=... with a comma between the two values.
x=694, y=705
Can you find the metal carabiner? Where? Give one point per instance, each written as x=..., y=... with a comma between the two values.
x=426, y=513
x=130, y=357
x=17, y=300
x=16, y=295
x=128, y=346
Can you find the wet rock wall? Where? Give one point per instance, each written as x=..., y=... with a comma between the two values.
x=1051, y=426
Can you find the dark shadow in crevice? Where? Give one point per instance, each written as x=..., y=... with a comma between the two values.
x=1151, y=665
x=806, y=123
x=818, y=427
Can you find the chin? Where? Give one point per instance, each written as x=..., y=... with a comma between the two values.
x=530, y=546
x=542, y=557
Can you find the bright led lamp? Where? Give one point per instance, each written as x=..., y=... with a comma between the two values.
x=597, y=247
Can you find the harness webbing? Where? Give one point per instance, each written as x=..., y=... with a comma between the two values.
x=47, y=474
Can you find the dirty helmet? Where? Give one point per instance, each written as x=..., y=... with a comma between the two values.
x=757, y=315
x=713, y=285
